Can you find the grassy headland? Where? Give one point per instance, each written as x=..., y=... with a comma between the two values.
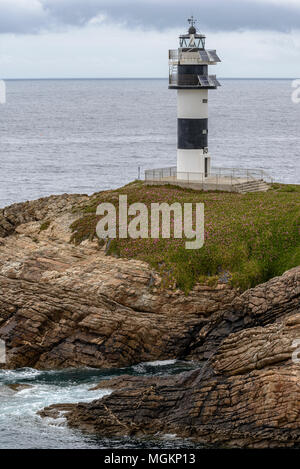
x=249, y=238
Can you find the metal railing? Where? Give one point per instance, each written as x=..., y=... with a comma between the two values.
x=199, y=81
x=184, y=80
x=250, y=174
x=173, y=54
x=217, y=177
x=161, y=173
x=193, y=56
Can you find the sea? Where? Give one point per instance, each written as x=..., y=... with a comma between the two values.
x=21, y=427
x=84, y=136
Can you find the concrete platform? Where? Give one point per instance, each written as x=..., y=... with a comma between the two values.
x=214, y=183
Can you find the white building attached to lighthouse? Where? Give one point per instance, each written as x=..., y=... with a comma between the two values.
x=189, y=76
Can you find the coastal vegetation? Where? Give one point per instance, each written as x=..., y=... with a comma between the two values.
x=249, y=238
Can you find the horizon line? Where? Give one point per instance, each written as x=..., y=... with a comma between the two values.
x=140, y=78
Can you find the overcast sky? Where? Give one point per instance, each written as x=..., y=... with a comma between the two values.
x=118, y=38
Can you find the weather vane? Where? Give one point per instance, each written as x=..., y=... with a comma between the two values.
x=192, y=21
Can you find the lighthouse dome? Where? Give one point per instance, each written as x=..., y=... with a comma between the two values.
x=192, y=30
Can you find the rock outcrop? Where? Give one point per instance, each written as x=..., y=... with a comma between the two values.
x=64, y=306
x=248, y=396
x=72, y=306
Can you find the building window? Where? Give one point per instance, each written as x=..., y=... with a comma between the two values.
x=205, y=101
x=204, y=131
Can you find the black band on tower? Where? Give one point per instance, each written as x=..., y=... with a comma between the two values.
x=192, y=134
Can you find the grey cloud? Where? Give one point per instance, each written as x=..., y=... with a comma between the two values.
x=21, y=21
x=212, y=14
x=153, y=14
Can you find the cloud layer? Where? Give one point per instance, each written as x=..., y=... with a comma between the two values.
x=34, y=16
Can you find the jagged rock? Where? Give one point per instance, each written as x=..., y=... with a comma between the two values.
x=127, y=381
x=233, y=402
x=66, y=306
x=55, y=411
x=11, y=389
x=17, y=387
x=243, y=313
x=258, y=347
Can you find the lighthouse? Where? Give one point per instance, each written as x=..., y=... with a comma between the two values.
x=188, y=74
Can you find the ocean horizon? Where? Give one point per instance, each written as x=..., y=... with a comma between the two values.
x=86, y=135
x=142, y=78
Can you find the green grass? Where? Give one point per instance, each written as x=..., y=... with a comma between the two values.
x=250, y=237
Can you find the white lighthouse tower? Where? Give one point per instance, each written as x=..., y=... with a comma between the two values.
x=189, y=76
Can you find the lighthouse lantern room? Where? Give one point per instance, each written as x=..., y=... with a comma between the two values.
x=188, y=74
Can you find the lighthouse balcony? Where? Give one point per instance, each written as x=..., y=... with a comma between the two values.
x=190, y=81
x=193, y=57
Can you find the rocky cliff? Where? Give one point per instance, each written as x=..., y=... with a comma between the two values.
x=63, y=305
x=247, y=394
